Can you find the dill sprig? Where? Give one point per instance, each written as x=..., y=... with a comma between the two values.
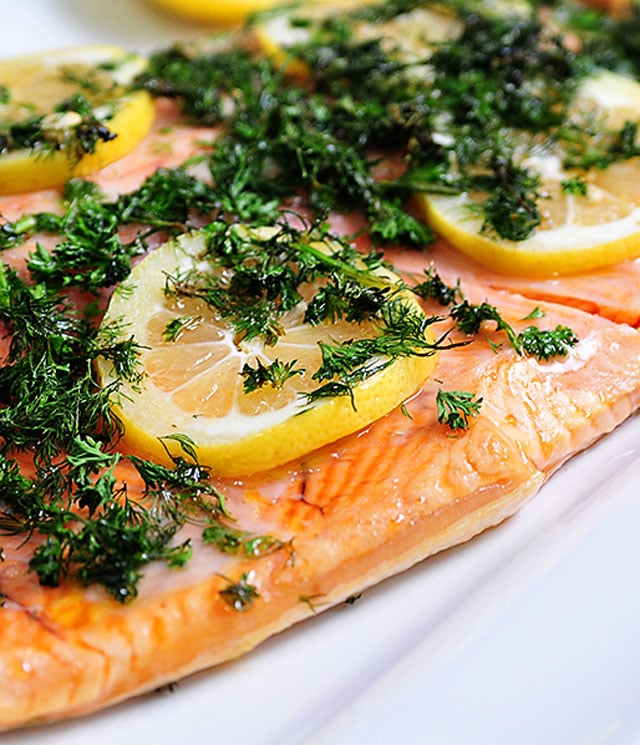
x=543, y=344
x=240, y=595
x=451, y=119
x=47, y=387
x=35, y=133
x=252, y=279
x=170, y=199
x=455, y=408
x=434, y=288
x=94, y=533
x=231, y=540
x=109, y=545
x=91, y=255
x=274, y=375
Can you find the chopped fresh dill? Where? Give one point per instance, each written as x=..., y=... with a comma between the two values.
x=91, y=256
x=544, y=344
x=240, y=595
x=511, y=209
x=455, y=408
x=34, y=133
x=230, y=540
x=537, y=312
x=367, y=129
x=433, y=288
x=346, y=299
x=469, y=317
x=47, y=389
x=177, y=326
x=275, y=374
x=576, y=186
x=109, y=546
x=252, y=279
x=91, y=530
x=540, y=343
x=588, y=144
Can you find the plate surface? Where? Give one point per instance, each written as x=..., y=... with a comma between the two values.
x=527, y=635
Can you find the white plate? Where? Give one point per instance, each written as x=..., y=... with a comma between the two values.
x=528, y=635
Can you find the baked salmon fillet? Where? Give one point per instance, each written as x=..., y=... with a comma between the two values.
x=343, y=517
x=348, y=516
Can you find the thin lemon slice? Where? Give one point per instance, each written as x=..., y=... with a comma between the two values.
x=193, y=383
x=57, y=145
x=410, y=36
x=578, y=231
x=216, y=13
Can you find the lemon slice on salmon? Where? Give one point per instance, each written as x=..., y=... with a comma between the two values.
x=248, y=400
x=410, y=35
x=68, y=113
x=216, y=13
x=590, y=218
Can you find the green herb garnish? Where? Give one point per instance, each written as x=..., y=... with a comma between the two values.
x=455, y=408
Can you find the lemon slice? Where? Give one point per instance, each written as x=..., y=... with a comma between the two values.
x=410, y=36
x=578, y=231
x=193, y=383
x=57, y=144
x=213, y=12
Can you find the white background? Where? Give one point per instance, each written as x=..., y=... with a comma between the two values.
x=528, y=635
